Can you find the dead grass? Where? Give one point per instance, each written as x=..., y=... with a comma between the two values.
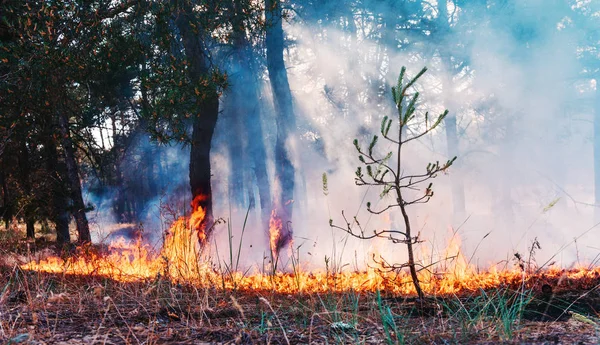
x=41, y=308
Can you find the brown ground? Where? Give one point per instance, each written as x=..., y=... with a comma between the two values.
x=40, y=308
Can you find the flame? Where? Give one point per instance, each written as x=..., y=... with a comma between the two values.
x=197, y=217
x=180, y=260
x=275, y=234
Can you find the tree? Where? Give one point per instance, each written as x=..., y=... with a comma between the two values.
x=388, y=172
x=54, y=57
x=195, y=33
x=285, y=120
x=242, y=109
x=452, y=68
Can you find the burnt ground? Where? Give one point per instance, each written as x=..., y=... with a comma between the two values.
x=40, y=308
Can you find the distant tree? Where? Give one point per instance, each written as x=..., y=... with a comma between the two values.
x=388, y=173
x=50, y=56
x=284, y=118
x=244, y=107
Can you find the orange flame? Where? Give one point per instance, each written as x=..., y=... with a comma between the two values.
x=275, y=228
x=180, y=260
x=126, y=261
x=197, y=217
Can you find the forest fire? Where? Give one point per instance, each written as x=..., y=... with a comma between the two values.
x=197, y=218
x=275, y=234
x=180, y=260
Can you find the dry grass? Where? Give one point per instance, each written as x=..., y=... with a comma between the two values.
x=43, y=308
x=39, y=308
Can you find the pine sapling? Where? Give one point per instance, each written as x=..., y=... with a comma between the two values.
x=388, y=172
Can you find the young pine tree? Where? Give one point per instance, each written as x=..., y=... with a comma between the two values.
x=387, y=172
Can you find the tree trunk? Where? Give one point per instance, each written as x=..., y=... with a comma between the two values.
x=237, y=156
x=457, y=184
x=24, y=172
x=285, y=120
x=203, y=129
x=6, y=204
x=83, y=228
x=58, y=214
x=203, y=124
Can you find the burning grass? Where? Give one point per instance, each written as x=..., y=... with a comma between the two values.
x=177, y=296
x=181, y=260
x=72, y=309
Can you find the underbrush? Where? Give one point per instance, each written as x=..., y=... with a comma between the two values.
x=50, y=308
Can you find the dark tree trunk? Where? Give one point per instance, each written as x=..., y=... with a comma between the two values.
x=148, y=176
x=118, y=205
x=24, y=172
x=153, y=159
x=58, y=212
x=204, y=122
x=200, y=176
x=6, y=204
x=285, y=120
x=83, y=228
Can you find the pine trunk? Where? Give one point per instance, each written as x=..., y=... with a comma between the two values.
x=83, y=229
x=58, y=211
x=237, y=156
x=247, y=101
x=24, y=172
x=6, y=207
x=285, y=120
x=204, y=122
x=457, y=184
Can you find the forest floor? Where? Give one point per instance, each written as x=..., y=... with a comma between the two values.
x=43, y=308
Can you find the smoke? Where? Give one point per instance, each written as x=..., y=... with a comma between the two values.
x=525, y=142
x=524, y=125
x=153, y=190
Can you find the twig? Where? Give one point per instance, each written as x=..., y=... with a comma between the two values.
x=264, y=300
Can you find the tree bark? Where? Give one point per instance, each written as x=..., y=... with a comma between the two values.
x=83, y=228
x=204, y=122
x=237, y=156
x=285, y=119
x=200, y=176
x=58, y=211
x=6, y=203
x=24, y=172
